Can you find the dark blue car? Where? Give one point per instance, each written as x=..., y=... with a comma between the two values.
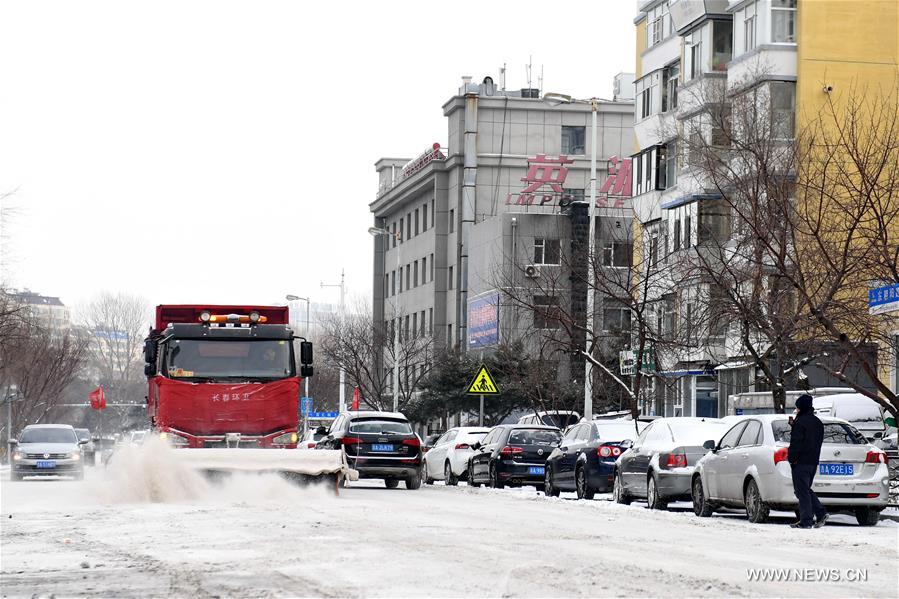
x=584, y=461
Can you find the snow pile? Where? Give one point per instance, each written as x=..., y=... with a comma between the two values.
x=156, y=473
x=149, y=473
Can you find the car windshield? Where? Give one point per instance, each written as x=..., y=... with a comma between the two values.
x=560, y=420
x=83, y=434
x=861, y=415
x=834, y=433
x=534, y=437
x=48, y=435
x=472, y=437
x=617, y=432
x=697, y=433
x=204, y=358
x=381, y=426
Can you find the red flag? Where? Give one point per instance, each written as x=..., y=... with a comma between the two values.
x=98, y=399
x=356, y=397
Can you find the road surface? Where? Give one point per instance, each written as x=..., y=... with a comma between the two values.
x=150, y=531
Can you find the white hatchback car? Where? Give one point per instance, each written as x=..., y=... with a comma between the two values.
x=748, y=468
x=447, y=460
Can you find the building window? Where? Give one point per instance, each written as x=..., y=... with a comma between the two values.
x=547, y=313
x=414, y=324
x=714, y=222
x=432, y=267
x=415, y=273
x=670, y=75
x=392, y=282
x=670, y=164
x=616, y=254
x=450, y=279
x=547, y=251
x=406, y=328
x=394, y=233
x=783, y=21
x=400, y=274
x=645, y=103
x=416, y=221
x=408, y=278
x=722, y=44
x=783, y=109
x=452, y=221
x=573, y=140
x=616, y=317
x=653, y=251
x=402, y=236
x=387, y=285
x=658, y=25
x=421, y=323
x=449, y=335
x=430, y=321
x=433, y=213
x=424, y=270
x=646, y=89
x=749, y=27
x=424, y=218
x=696, y=56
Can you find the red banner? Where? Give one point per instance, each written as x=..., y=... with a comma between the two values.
x=356, y=397
x=98, y=399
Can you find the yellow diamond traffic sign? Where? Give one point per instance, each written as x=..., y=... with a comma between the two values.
x=483, y=383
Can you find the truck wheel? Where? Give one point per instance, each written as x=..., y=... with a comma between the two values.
x=867, y=516
x=391, y=483
x=449, y=478
x=413, y=482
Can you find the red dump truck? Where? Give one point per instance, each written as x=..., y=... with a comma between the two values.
x=224, y=385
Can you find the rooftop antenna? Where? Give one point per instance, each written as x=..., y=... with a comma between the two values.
x=540, y=80
x=502, y=77
x=528, y=70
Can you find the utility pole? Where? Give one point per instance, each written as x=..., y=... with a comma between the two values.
x=342, y=286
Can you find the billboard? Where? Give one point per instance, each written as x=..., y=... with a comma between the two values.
x=483, y=320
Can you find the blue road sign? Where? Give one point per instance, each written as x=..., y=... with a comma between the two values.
x=883, y=299
x=305, y=405
x=323, y=415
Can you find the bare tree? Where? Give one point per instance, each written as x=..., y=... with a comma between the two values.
x=366, y=352
x=117, y=324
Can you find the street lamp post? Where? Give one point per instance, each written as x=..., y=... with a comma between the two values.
x=342, y=393
x=11, y=394
x=378, y=231
x=556, y=100
x=294, y=298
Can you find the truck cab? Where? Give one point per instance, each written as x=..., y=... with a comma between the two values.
x=224, y=376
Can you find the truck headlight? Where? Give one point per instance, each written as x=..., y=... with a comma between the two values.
x=285, y=439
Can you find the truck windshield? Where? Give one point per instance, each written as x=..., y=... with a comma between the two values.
x=242, y=359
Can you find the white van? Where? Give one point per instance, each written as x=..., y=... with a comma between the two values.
x=862, y=412
x=559, y=418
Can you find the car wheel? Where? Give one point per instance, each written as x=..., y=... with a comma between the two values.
x=654, y=501
x=584, y=491
x=701, y=506
x=495, y=482
x=391, y=483
x=548, y=488
x=471, y=481
x=413, y=482
x=756, y=510
x=867, y=516
x=424, y=475
x=448, y=477
x=619, y=493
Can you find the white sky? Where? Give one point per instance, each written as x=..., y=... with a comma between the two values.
x=224, y=151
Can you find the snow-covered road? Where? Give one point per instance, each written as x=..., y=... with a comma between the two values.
x=260, y=536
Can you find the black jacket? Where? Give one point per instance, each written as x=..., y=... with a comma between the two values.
x=806, y=439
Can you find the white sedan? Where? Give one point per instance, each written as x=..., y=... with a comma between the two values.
x=748, y=468
x=447, y=460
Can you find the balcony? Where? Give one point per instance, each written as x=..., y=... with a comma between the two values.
x=684, y=13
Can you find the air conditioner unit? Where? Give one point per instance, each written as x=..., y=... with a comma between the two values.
x=532, y=271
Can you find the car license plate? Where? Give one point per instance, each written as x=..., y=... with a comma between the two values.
x=381, y=447
x=836, y=469
x=535, y=470
x=46, y=464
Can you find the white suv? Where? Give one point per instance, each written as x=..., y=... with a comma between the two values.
x=748, y=468
x=447, y=460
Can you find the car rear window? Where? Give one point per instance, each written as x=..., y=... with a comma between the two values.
x=381, y=426
x=472, y=436
x=697, y=433
x=534, y=437
x=48, y=435
x=617, y=432
x=560, y=420
x=835, y=433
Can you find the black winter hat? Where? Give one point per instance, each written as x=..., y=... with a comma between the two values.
x=804, y=402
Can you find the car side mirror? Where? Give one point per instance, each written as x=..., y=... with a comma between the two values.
x=627, y=444
x=13, y=441
x=321, y=431
x=150, y=349
x=150, y=369
x=305, y=370
x=709, y=445
x=83, y=441
x=306, y=353
x=878, y=435
x=476, y=445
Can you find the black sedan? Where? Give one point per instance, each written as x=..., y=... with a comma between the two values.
x=512, y=454
x=377, y=445
x=585, y=459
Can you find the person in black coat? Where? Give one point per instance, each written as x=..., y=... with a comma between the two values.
x=806, y=439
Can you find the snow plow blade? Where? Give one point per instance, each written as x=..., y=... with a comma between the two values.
x=296, y=464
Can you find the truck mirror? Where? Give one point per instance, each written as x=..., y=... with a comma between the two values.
x=150, y=351
x=306, y=353
x=150, y=369
x=305, y=370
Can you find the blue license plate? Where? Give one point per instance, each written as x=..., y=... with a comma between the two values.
x=535, y=470
x=836, y=469
x=381, y=447
x=45, y=464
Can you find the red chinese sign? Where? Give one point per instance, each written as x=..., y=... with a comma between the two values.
x=98, y=399
x=545, y=177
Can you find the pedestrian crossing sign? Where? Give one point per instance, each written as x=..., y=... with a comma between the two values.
x=483, y=383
